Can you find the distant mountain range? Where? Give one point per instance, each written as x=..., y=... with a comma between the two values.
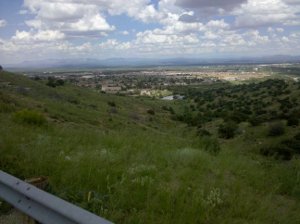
x=141, y=62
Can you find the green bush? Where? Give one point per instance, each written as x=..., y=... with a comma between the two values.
x=151, y=112
x=210, y=145
x=227, y=130
x=171, y=110
x=292, y=121
x=237, y=117
x=203, y=132
x=297, y=136
x=255, y=120
x=276, y=129
x=165, y=108
x=293, y=144
x=280, y=152
x=111, y=103
x=30, y=117
x=60, y=82
x=52, y=82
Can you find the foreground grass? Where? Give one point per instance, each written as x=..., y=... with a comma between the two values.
x=133, y=167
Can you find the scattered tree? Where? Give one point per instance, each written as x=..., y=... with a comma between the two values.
x=52, y=82
x=276, y=129
x=151, y=112
x=227, y=130
x=280, y=152
x=111, y=103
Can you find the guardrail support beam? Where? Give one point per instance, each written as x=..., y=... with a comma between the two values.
x=42, y=206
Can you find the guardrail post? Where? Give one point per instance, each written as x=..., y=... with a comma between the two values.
x=41, y=183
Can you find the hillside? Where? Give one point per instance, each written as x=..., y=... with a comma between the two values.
x=150, y=161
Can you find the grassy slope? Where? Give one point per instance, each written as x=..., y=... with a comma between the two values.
x=140, y=168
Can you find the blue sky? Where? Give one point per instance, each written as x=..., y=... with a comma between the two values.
x=66, y=29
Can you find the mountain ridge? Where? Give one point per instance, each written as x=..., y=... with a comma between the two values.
x=139, y=62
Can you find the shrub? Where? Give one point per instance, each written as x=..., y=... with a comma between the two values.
x=255, y=120
x=30, y=117
x=293, y=144
x=151, y=112
x=52, y=82
x=171, y=110
x=297, y=136
x=111, y=103
x=165, y=108
x=203, y=132
x=292, y=121
x=60, y=82
x=280, y=152
x=36, y=78
x=276, y=129
x=227, y=130
x=210, y=145
x=73, y=100
x=237, y=117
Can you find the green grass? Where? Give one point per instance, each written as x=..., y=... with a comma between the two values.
x=133, y=167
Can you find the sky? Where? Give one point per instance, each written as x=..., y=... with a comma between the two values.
x=101, y=29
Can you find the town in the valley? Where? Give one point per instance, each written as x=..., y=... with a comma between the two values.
x=159, y=82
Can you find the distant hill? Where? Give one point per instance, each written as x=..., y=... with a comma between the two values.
x=142, y=62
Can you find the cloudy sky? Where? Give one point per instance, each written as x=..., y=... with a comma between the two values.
x=47, y=29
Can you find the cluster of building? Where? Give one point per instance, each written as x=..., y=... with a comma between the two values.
x=148, y=82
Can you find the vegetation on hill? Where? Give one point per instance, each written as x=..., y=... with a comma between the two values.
x=273, y=103
x=256, y=103
x=139, y=160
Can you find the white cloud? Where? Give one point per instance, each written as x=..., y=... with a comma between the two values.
x=209, y=35
x=2, y=23
x=218, y=24
x=233, y=39
x=64, y=13
x=89, y=23
x=280, y=30
x=285, y=39
x=256, y=13
x=125, y=32
x=255, y=38
x=41, y=36
x=67, y=16
x=114, y=44
x=23, y=12
x=142, y=10
x=35, y=23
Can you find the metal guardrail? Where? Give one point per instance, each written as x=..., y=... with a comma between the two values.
x=42, y=206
